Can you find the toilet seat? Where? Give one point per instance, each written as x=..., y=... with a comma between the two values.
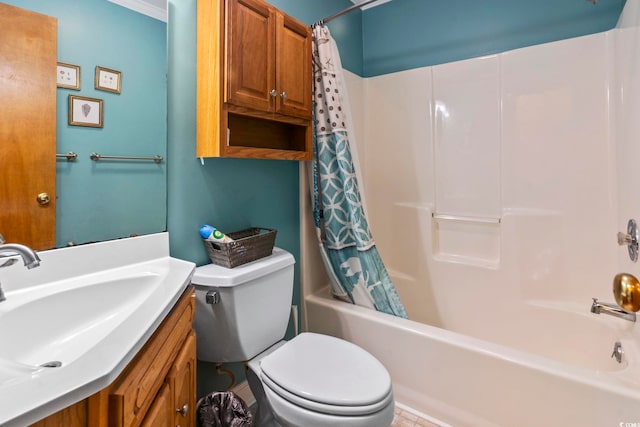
x=327, y=375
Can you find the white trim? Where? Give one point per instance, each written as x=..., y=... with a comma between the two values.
x=144, y=7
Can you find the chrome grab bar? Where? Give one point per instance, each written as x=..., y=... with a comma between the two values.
x=96, y=157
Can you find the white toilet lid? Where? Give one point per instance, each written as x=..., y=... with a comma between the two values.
x=327, y=374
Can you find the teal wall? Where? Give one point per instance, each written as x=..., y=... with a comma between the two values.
x=110, y=199
x=406, y=34
x=230, y=194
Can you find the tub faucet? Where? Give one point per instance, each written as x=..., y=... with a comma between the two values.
x=7, y=250
x=612, y=310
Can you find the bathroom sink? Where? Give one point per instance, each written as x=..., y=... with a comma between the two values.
x=69, y=327
x=60, y=321
x=11, y=372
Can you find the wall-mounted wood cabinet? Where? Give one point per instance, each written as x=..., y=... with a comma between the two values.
x=253, y=82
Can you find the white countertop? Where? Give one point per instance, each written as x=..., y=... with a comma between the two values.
x=29, y=393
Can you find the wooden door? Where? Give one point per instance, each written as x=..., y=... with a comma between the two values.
x=250, y=44
x=293, y=67
x=182, y=379
x=28, y=44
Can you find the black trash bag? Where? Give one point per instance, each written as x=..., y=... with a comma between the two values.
x=223, y=409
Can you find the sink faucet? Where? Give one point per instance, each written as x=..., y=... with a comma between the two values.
x=612, y=310
x=29, y=257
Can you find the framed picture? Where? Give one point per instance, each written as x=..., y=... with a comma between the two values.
x=85, y=111
x=68, y=76
x=108, y=80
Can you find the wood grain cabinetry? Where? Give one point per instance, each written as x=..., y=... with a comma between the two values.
x=73, y=416
x=254, y=88
x=157, y=388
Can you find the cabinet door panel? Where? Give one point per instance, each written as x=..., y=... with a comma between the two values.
x=159, y=414
x=250, y=64
x=183, y=386
x=293, y=67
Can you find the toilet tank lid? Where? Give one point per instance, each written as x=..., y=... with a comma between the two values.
x=218, y=276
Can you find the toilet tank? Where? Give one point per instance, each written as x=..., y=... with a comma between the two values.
x=250, y=310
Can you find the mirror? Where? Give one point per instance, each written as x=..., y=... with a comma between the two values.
x=110, y=198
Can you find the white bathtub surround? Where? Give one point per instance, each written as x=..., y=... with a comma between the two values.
x=91, y=307
x=495, y=195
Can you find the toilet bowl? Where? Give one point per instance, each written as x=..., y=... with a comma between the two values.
x=313, y=380
x=318, y=380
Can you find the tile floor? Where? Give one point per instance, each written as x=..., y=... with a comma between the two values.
x=407, y=419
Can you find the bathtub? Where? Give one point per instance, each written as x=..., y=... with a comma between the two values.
x=565, y=377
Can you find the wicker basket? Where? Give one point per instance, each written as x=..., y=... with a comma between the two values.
x=248, y=245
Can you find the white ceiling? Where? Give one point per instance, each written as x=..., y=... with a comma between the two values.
x=374, y=4
x=154, y=8
x=158, y=8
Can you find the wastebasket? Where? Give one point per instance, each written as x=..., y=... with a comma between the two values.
x=223, y=409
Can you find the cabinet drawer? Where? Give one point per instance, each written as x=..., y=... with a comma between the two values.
x=136, y=388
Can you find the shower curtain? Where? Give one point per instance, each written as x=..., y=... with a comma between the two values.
x=355, y=269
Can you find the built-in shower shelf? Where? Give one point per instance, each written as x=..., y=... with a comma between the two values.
x=469, y=240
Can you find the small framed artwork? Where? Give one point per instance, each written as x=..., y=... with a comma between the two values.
x=108, y=80
x=85, y=111
x=68, y=76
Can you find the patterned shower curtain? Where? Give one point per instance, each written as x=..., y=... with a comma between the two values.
x=355, y=269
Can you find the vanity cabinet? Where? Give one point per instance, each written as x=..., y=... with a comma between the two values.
x=254, y=82
x=157, y=388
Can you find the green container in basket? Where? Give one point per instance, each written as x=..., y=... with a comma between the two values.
x=248, y=245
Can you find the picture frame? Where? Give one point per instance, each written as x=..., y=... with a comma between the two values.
x=84, y=111
x=68, y=76
x=108, y=80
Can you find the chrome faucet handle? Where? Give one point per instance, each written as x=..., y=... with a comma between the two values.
x=631, y=239
x=624, y=239
x=2, y=241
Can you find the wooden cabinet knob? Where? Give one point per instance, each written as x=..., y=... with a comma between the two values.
x=184, y=410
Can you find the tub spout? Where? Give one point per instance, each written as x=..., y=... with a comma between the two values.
x=612, y=310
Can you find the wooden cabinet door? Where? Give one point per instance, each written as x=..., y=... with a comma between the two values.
x=159, y=415
x=182, y=379
x=293, y=67
x=250, y=66
x=28, y=50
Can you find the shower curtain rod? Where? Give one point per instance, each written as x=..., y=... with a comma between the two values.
x=343, y=12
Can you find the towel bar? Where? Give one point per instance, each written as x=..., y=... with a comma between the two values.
x=96, y=157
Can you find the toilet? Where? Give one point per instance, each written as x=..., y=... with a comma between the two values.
x=312, y=380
